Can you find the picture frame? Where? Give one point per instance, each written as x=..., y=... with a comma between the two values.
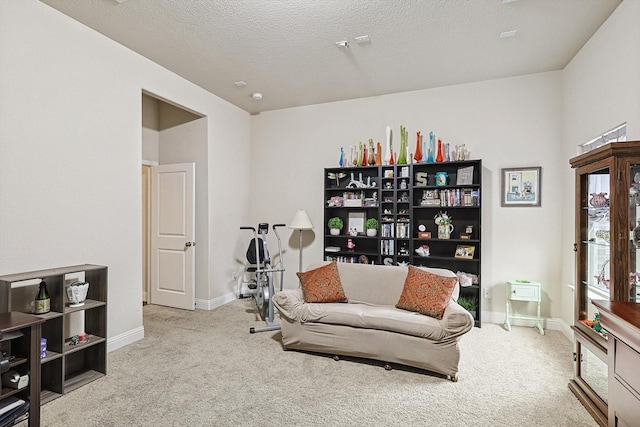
x=521, y=187
x=464, y=176
x=465, y=251
x=356, y=222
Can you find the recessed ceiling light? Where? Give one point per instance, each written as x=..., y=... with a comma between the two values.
x=256, y=95
x=362, y=39
x=240, y=83
x=343, y=43
x=508, y=1
x=506, y=34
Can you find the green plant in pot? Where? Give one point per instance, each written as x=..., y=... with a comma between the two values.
x=469, y=303
x=372, y=227
x=335, y=225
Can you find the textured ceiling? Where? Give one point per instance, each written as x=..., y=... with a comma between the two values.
x=286, y=49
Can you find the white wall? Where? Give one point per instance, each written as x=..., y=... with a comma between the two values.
x=601, y=89
x=510, y=122
x=70, y=155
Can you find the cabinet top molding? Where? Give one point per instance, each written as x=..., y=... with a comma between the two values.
x=629, y=149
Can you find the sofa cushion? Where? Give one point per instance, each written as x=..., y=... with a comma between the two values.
x=368, y=316
x=426, y=293
x=322, y=285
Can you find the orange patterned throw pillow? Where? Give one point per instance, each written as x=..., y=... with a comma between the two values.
x=426, y=293
x=322, y=284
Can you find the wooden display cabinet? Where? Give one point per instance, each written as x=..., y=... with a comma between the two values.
x=607, y=211
x=67, y=365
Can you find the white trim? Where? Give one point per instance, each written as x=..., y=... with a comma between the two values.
x=203, y=304
x=149, y=163
x=552, y=324
x=124, y=339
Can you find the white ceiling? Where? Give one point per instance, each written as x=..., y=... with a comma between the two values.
x=286, y=49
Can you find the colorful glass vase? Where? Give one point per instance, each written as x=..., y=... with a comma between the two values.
x=432, y=147
x=371, y=158
x=402, y=157
x=388, y=153
x=418, y=154
x=379, y=154
x=440, y=156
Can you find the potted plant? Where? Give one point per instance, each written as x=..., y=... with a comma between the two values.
x=469, y=303
x=335, y=225
x=372, y=227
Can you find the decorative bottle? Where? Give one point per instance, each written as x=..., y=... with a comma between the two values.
x=439, y=157
x=418, y=155
x=42, y=304
x=379, y=154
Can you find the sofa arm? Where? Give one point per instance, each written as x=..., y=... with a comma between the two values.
x=456, y=320
x=287, y=302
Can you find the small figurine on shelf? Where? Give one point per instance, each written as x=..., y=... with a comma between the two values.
x=350, y=245
x=596, y=323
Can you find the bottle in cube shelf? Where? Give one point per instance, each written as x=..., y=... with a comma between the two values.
x=42, y=304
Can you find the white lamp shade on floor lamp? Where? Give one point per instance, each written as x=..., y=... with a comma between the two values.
x=300, y=222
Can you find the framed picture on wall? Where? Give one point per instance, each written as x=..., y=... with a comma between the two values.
x=521, y=186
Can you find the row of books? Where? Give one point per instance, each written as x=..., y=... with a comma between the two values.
x=452, y=197
x=347, y=259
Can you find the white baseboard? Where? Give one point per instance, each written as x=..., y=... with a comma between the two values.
x=124, y=339
x=203, y=304
x=553, y=324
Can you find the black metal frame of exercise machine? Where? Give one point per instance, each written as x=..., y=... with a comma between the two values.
x=262, y=285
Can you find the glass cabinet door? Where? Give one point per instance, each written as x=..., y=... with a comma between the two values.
x=634, y=239
x=595, y=239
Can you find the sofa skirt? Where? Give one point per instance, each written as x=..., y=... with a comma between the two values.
x=437, y=356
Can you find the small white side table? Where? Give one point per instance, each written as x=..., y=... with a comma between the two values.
x=520, y=290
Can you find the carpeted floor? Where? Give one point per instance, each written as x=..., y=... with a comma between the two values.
x=203, y=368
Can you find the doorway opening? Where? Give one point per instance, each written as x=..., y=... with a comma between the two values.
x=172, y=135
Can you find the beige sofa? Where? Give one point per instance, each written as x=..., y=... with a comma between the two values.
x=369, y=325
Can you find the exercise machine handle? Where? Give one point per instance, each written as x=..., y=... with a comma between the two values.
x=278, y=225
x=247, y=228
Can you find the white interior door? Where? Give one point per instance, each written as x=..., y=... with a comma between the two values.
x=172, y=235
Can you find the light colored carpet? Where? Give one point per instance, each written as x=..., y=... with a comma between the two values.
x=203, y=368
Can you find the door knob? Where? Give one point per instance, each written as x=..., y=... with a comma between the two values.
x=189, y=244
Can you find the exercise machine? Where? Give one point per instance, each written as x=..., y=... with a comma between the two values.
x=262, y=275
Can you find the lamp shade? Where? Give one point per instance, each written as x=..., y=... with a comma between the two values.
x=300, y=221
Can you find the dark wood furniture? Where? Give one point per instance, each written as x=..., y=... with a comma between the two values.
x=607, y=210
x=622, y=321
x=67, y=365
x=403, y=199
x=26, y=349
